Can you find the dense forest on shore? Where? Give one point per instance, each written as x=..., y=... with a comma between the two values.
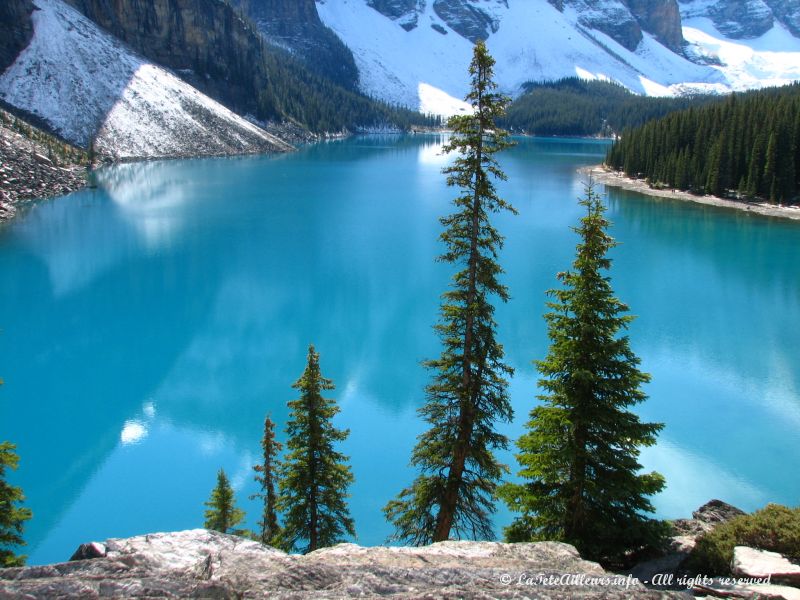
x=574, y=106
x=747, y=146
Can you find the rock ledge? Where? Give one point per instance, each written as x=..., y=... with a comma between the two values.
x=205, y=564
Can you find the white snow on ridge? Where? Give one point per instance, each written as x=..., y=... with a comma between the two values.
x=772, y=59
x=425, y=69
x=87, y=85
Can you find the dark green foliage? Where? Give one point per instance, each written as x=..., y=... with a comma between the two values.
x=12, y=516
x=775, y=528
x=454, y=494
x=265, y=476
x=747, y=146
x=574, y=106
x=579, y=456
x=222, y=514
x=294, y=92
x=314, y=477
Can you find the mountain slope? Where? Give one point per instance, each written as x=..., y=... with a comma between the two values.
x=295, y=25
x=415, y=52
x=86, y=85
x=34, y=164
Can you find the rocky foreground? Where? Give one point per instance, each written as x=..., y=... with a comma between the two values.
x=29, y=169
x=205, y=564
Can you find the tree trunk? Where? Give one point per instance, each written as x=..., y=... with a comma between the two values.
x=447, y=509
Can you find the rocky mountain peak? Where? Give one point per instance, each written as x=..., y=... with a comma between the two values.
x=472, y=19
x=745, y=19
x=405, y=12
x=625, y=20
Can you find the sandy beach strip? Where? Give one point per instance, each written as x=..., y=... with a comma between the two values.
x=599, y=174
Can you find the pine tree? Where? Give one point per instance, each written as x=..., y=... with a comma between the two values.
x=454, y=493
x=314, y=477
x=265, y=476
x=579, y=456
x=12, y=517
x=222, y=514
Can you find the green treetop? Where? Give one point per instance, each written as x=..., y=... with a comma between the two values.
x=453, y=496
x=579, y=456
x=222, y=514
x=265, y=476
x=313, y=476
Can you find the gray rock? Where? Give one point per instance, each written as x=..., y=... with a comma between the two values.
x=661, y=18
x=664, y=571
x=405, y=12
x=738, y=19
x=749, y=562
x=467, y=18
x=206, y=564
x=788, y=13
x=720, y=587
x=26, y=170
x=89, y=551
x=715, y=512
x=16, y=29
x=741, y=19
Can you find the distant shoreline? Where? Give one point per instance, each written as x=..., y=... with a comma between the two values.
x=600, y=174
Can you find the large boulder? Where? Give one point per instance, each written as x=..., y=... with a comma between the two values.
x=714, y=512
x=761, y=564
x=200, y=563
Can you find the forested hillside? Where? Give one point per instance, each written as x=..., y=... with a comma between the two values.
x=576, y=106
x=748, y=146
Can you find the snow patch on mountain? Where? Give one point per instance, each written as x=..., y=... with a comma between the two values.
x=534, y=42
x=425, y=68
x=771, y=59
x=88, y=86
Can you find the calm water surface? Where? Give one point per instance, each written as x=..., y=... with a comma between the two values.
x=147, y=326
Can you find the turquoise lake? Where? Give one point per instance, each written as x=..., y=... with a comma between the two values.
x=148, y=325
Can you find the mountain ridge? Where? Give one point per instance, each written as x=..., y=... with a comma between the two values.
x=410, y=52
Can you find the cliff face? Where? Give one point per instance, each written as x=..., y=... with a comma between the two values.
x=466, y=19
x=405, y=12
x=746, y=19
x=295, y=24
x=209, y=45
x=788, y=13
x=662, y=18
x=205, y=564
x=16, y=29
x=625, y=20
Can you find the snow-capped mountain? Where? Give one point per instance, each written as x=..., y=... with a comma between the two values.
x=415, y=52
x=86, y=85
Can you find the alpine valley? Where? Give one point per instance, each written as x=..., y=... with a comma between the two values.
x=207, y=77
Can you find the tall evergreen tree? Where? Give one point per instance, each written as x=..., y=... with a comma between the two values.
x=265, y=476
x=222, y=514
x=314, y=477
x=454, y=493
x=12, y=516
x=579, y=456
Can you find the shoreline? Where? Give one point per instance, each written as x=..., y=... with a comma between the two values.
x=600, y=174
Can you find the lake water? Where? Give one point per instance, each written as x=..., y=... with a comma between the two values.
x=148, y=325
